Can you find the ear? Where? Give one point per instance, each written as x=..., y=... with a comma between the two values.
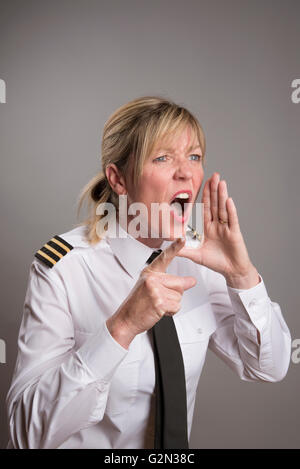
x=116, y=179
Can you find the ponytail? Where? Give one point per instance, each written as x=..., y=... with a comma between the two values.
x=95, y=192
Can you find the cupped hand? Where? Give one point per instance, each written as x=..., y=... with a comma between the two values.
x=223, y=249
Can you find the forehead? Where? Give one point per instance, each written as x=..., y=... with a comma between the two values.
x=185, y=139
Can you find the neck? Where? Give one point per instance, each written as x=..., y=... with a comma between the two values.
x=153, y=243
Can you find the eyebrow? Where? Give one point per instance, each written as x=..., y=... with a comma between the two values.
x=192, y=148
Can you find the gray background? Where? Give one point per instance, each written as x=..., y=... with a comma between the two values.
x=69, y=64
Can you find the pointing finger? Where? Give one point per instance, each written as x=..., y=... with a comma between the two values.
x=162, y=261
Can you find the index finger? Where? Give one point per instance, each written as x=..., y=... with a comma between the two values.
x=162, y=261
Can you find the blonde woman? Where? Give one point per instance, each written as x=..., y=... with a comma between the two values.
x=116, y=327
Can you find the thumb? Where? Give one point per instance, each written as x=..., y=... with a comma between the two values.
x=188, y=282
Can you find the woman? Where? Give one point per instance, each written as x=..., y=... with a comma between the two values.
x=95, y=344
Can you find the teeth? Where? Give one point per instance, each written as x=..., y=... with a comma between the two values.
x=183, y=195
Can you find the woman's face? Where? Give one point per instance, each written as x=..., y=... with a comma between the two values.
x=172, y=173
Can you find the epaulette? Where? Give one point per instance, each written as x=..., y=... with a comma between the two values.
x=53, y=251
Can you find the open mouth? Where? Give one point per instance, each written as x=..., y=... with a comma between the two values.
x=180, y=204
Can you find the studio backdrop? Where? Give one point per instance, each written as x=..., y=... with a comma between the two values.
x=66, y=65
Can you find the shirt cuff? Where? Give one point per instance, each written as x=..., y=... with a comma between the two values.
x=252, y=303
x=102, y=354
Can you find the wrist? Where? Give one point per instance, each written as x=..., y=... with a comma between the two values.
x=119, y=330
x=243, y=282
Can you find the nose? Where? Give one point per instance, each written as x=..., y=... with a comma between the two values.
x=183, y=170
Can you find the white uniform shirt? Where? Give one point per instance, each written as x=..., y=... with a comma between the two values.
x=74, y=386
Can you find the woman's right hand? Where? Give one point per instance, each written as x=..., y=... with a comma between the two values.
x=155, y=294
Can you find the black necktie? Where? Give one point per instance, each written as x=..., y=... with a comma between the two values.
x=170, y=389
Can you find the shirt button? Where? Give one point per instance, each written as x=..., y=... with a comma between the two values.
x=101, y=386
x=199, y=330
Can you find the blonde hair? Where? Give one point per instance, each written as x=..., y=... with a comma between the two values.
x=129, y=136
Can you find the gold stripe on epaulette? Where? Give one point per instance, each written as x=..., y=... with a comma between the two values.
x=54, y=250
x=60, y=244
x=46, y=257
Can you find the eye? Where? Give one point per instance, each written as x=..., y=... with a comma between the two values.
x=196, y=157
x=160, y=158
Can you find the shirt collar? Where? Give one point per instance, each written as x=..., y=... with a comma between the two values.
x=131, y=253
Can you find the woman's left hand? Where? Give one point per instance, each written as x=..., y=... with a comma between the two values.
x=223, y=249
